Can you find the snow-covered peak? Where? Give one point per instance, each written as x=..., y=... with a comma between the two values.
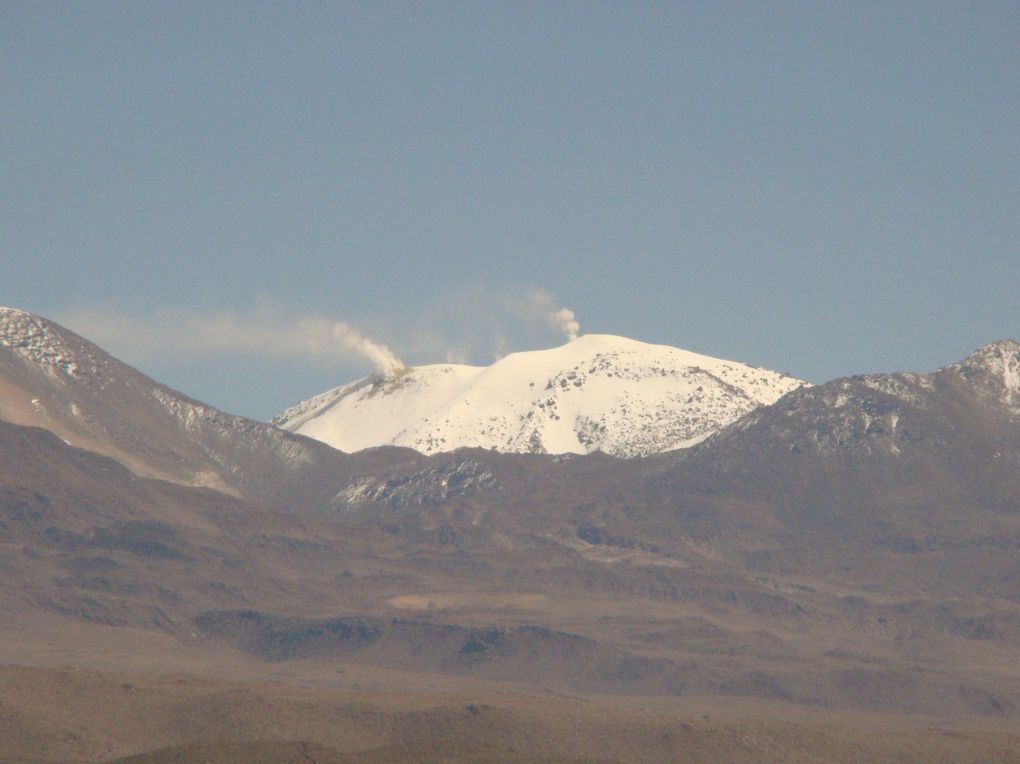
x=996, y=355
x=998, y=365
x=595, y=393
x=384, y=405
x=18, y=327
x=45, y=344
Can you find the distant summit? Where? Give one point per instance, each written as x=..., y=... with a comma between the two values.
x=997, y=366
x=596, y=393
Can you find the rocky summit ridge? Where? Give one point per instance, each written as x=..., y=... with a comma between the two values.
x=54, y=379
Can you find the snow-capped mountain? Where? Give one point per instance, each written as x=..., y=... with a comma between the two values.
x=596, y=393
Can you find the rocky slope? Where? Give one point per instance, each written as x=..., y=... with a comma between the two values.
x=907, y=480
x=54, y=379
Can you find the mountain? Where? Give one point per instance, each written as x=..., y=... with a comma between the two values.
x=56, y=380
x=939, y=442
x=908, y=482
x=846, y=554
x=597, y=393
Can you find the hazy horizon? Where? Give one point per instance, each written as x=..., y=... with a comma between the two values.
x=818, y=190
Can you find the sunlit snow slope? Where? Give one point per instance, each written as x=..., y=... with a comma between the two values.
x=597, y=393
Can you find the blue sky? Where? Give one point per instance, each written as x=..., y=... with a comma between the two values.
x=820, y=188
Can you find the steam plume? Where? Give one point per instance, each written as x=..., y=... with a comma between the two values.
x=340, y=338
x=262, y=331
x=565, y=321
x=539, y=306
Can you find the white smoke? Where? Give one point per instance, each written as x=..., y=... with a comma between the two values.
x=565, y=321
x=262, y=331
x=338, y=338
x=464, y=327
x=540, y=305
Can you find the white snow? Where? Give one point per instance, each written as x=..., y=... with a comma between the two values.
x=1010, y=369
x=376, y=409
x=998, y=360
x=42, y=343
x=596, y=393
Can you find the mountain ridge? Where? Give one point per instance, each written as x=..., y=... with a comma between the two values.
x=54, y=379
x=794, y=557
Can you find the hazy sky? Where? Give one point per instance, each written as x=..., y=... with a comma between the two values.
x=820, y=188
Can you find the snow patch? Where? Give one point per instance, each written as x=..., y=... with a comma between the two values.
x=58, y=353
x=997, y=365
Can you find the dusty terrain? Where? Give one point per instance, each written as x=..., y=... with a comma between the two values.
x=161, y=617
x=575, y=640
x=834, y=578
x=79, y=715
